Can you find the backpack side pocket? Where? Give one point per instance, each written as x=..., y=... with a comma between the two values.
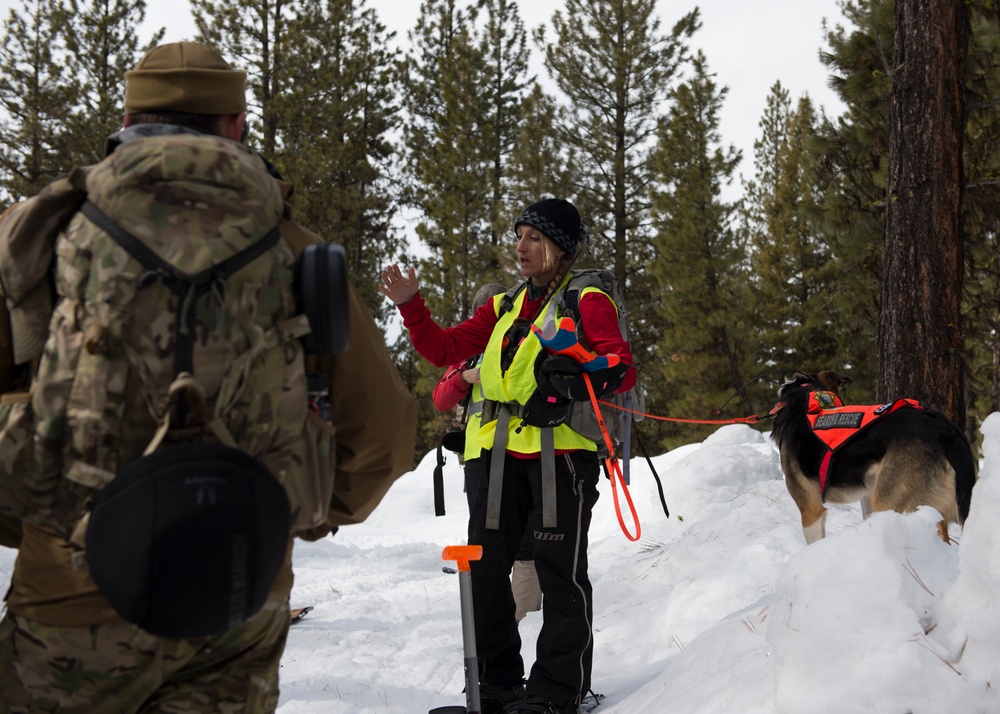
x=312, y=492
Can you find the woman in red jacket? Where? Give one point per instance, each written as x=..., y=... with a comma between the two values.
x=540, y=473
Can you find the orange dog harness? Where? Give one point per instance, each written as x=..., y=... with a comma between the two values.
x=836, y=424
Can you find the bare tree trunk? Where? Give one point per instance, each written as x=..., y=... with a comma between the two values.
x=920, y=336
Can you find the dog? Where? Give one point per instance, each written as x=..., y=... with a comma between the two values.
x=899, y=455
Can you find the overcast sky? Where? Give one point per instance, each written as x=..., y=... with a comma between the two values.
x=749, y=46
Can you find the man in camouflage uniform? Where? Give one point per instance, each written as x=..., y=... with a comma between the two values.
x=62, y=647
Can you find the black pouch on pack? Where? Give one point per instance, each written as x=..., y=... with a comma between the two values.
x=323, y=291
x=454, y=441
x=545, y=408
x=188, y=541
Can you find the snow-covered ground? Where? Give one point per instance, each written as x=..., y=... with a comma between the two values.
x=719, y=609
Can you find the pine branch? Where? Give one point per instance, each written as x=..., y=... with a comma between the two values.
x=885, y=63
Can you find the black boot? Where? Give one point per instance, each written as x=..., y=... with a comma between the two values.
x=532, y=704
x=494, y=698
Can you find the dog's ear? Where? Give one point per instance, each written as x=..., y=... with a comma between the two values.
x=797, y=379
x=831, y=380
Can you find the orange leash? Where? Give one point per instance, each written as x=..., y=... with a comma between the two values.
x=752, y=419
x=614, y=471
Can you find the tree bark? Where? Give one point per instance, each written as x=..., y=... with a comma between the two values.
x=920, y=335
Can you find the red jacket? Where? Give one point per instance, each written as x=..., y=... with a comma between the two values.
x=443, y=346
x=451, y=388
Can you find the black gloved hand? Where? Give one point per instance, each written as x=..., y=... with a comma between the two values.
x=607, y=380
x=566, y=377
x=546, y=407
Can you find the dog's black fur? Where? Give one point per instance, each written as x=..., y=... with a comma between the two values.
x=905, y=459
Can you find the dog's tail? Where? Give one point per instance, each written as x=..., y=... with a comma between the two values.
x=959, y=454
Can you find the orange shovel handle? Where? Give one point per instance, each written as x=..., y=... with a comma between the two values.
x=462, y=554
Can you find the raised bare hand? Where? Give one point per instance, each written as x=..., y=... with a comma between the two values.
x=397, y=287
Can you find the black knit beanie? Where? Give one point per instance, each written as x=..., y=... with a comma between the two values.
x=557, y=219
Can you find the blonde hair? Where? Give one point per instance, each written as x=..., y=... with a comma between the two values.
x=551, y=258
x=550, y=255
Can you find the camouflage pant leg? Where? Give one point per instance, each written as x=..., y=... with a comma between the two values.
x=116, y=667
x=234, y=673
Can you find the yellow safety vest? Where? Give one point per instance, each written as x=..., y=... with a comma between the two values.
x=517, y=384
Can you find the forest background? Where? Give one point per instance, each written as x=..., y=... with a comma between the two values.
x=452, y=130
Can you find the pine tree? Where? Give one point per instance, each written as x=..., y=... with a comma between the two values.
x=853, y=150
x=759, y=191
x=981, y=212
x=103, y=45
x=254, y=36
x=323, y=105
x=448, y=162
x=615, y=67
x=794, y=272
x=854, y=168
x=34, y=96
x=698, y=268
x=758, y=202
x=503, y=46
x=337, y=151
x=465, y=84
x=450, y=153
x=540, y=165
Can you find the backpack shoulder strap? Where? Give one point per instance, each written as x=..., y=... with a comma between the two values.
x=151, y=261
x=187, y=287
x=507, y=301
x=569, y=297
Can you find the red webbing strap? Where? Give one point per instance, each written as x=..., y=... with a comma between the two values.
x=824, y=469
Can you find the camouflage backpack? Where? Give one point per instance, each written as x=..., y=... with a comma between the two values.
x=174, y=336
x=175, y=322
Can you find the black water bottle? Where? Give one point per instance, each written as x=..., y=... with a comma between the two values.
x=318, y=387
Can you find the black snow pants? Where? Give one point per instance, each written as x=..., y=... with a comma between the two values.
x=564, y=650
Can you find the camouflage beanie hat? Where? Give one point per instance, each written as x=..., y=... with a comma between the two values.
x=558, y=220
x=185, y=77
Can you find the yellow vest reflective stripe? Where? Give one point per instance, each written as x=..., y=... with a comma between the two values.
x=517, y=384
x=475, y=416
